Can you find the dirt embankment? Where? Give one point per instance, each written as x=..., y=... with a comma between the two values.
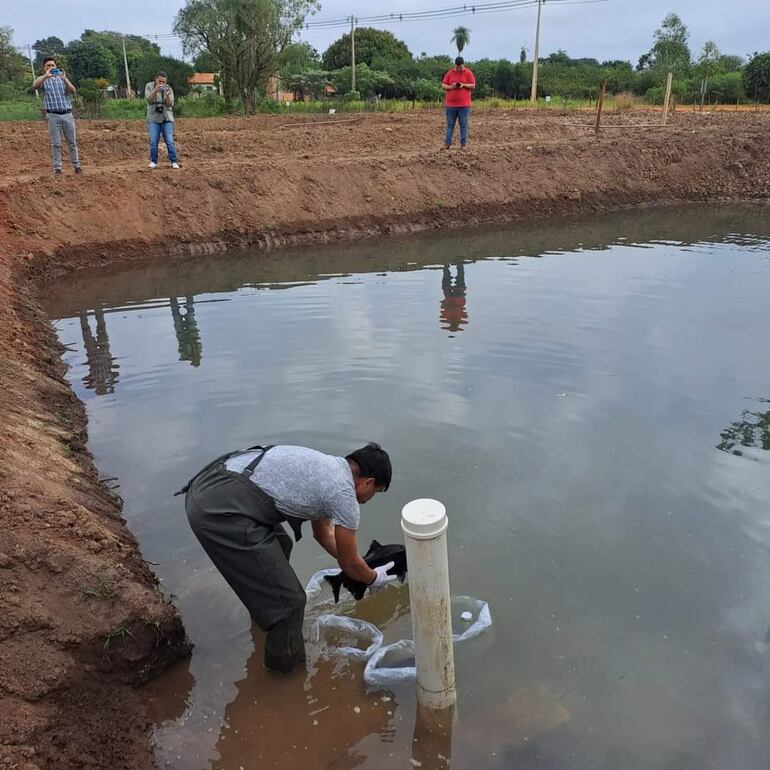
x=81, y=619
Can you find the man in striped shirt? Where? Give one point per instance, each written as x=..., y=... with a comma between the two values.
x=56, y=89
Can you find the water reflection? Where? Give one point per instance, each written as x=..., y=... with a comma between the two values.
x=453, y=313
x=288, y=723
x=432, y=738
x=102, y=373
x=188, y=337
x=752, y=430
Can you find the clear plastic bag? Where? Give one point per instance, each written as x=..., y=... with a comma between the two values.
x=316, y=583
x=326, y=627
x=391, y=664
x=481, y=621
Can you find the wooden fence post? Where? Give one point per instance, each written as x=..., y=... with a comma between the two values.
x=599, y=108
x=667, y=98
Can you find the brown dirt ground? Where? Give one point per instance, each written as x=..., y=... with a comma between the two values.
x=67, y=696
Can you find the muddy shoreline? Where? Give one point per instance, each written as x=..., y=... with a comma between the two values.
x=82, y=620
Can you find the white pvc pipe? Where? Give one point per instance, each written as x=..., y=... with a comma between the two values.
x=424, y=523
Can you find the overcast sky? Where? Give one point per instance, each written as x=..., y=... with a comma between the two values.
x=616, y=29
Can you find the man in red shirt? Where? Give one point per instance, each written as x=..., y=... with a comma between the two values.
x=458, y=84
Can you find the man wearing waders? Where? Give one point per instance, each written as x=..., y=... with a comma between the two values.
x=236, y=507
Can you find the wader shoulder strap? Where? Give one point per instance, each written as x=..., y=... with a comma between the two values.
x=292, y=521
x=249, y=469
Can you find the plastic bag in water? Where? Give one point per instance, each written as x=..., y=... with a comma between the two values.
x=316, y=583
x=391, y=664
x=326, y=627
x=481, y=618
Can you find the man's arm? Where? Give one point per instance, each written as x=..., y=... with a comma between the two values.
x=38, y=82
x=323, y=532
x=348, y=557
x=149, y=96
x=169, y=98
x=67, y=83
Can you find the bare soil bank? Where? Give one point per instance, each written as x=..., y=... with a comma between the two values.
x=81, y=618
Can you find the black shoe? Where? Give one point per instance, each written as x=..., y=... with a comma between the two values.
x=78, y=170
x=57, y=171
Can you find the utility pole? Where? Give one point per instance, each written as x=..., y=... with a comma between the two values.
x=352, y=53
x=32, y=67
x=129, y=91
x=533, y=94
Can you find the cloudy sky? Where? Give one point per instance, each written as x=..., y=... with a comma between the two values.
x=616, y=29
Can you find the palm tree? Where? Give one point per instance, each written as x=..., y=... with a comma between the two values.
x=461, y=37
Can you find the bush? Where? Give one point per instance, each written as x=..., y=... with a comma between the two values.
x=428, y=90
x=352, y=96
x=91, y=94
x=625, y=101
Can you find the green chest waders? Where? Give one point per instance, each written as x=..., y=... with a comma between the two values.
x=240, y=528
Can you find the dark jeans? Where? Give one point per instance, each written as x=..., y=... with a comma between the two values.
x=240, y=529
x=453, y=114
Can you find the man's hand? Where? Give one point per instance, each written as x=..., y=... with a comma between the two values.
x=381, y=577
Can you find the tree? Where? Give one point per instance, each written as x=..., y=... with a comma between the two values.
x=298, y=57
x=670, y=50
x=461, y=37
x=177, y=71
x=756, y=77
x=48, y=46
x=205, y=61
x=90, y=61
x=708, y=61
x=369, y=82
x=14, y=68
x=246, y=36
x=371, y=44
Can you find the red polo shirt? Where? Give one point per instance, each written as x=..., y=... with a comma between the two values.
x=458, y=97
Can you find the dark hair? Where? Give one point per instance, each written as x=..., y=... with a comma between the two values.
x=49, y=58
x=459, y=60
x=161, y=75
x=373, y=462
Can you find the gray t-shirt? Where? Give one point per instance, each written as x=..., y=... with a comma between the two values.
x=152, y=115
x=305, y=483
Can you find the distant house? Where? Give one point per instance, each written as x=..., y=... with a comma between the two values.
x=277, y=89
x=203, y=81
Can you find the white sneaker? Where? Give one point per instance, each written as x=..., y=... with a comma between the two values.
x=153, y=165
x=174, y=165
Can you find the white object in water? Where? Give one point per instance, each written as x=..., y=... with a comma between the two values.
x=424, y=522
x=466, y=616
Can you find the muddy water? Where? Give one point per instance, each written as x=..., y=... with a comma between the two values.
x=589, y=399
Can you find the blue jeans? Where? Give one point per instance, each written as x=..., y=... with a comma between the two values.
x=453, y=114
x=167, y=129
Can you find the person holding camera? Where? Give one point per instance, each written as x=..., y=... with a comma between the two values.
x=57, y=89
x=458, y=84
x=160, y=118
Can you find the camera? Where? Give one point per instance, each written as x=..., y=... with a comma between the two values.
x=56, y=71
x=458, y=85
x=159, y=108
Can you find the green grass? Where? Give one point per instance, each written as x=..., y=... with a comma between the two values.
x=119, y=634
x=21, y=109
x=101, y=590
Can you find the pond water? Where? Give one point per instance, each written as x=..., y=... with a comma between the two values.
x=589, y=399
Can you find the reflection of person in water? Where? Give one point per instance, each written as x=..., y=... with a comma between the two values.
x=188, y=337
x=102, y=369
x=453, y=314
x=296, y=723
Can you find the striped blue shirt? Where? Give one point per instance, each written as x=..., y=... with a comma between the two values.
x=55, y=96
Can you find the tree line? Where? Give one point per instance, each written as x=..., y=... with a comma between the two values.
x=246, y=42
